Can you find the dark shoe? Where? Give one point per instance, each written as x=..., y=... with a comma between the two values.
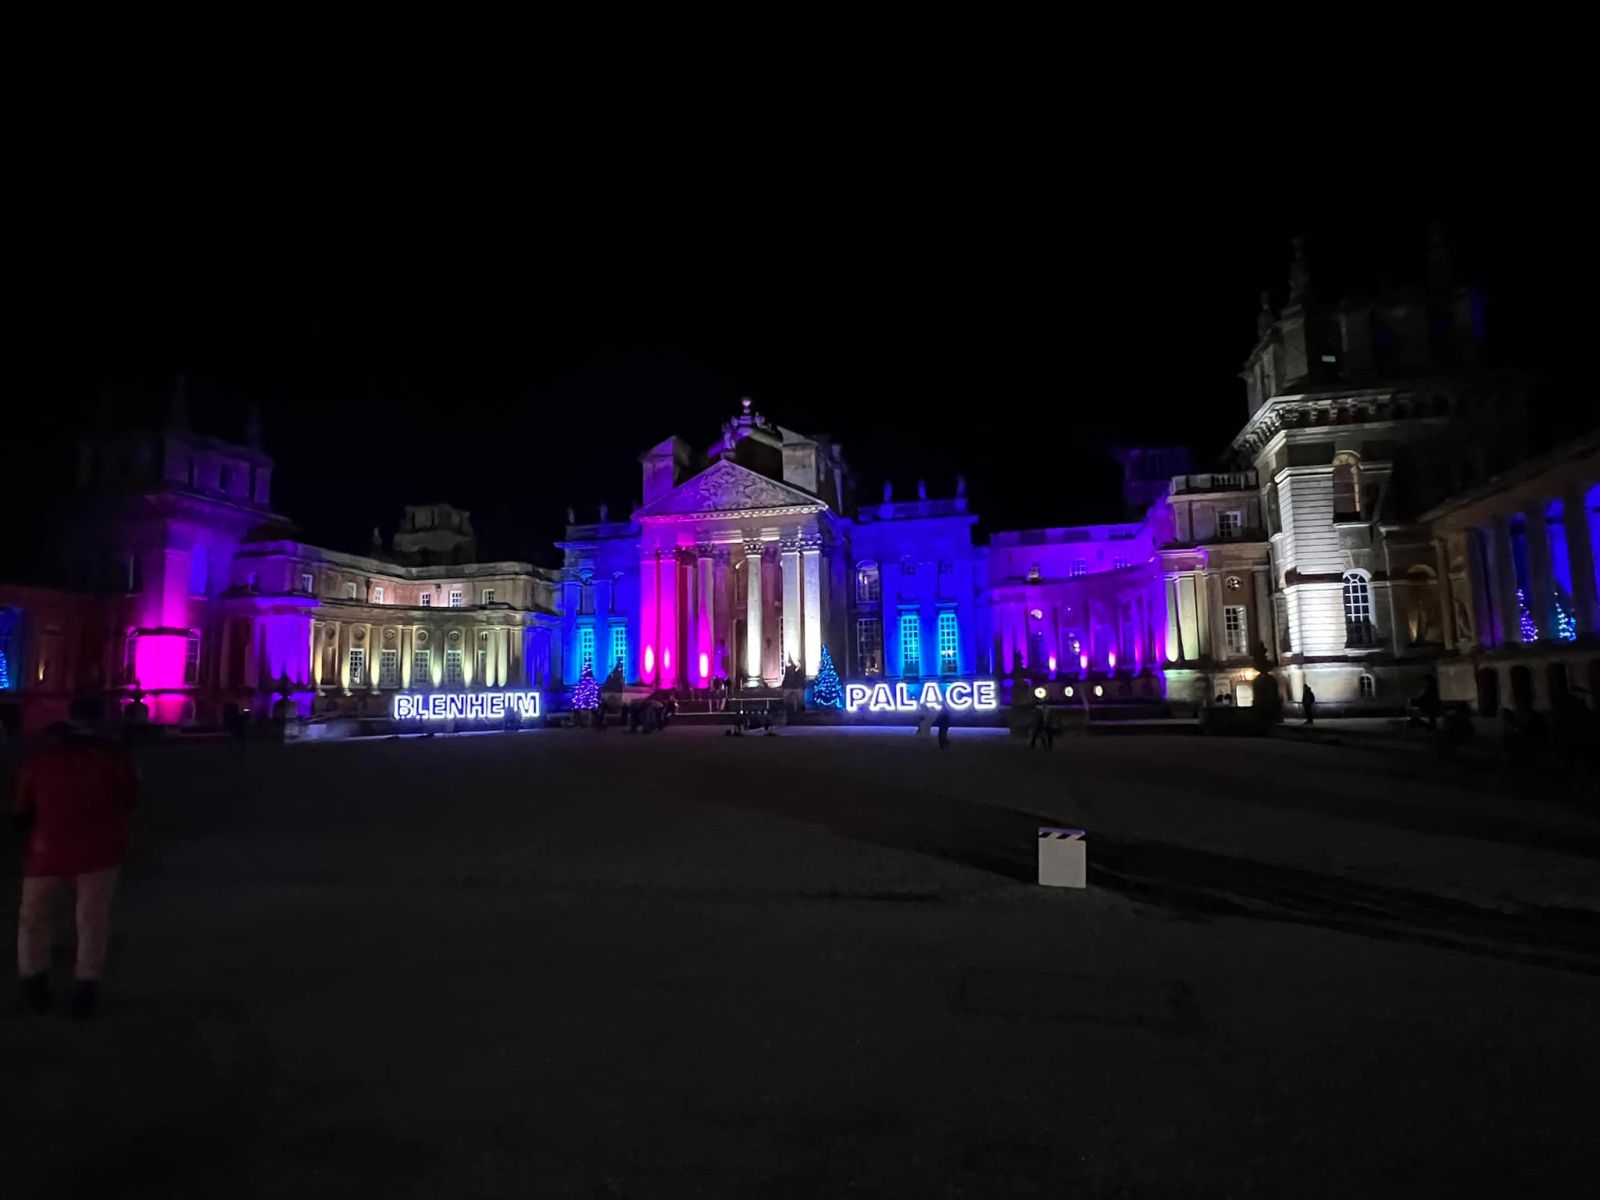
x=36, y=992
x=84, y=997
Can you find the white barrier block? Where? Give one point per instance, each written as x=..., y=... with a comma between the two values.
x=1063, y=858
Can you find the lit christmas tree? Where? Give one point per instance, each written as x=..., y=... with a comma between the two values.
x=587, y=694
x=826, y=692
x=1529, y=632
x=1566, y=620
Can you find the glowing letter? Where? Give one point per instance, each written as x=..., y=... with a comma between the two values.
x=930, y=695
x=958, y=695
x=882, y=701
x=855, y=695
x=902, y=698
x=983, y=694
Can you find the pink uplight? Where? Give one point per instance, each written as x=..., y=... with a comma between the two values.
x=1052, y=662
x=1111, y=659
x=1083, y=662
x=649, y=659
x=666, y=661
x=705, y=665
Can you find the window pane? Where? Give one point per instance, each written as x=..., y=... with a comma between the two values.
x=452, y=668
x=947, y=643
x=619, y=647
x=358, y=666
x=421, y=669
x=869, y=645
x=586, y=647
x=389, y=668
x=910, y=644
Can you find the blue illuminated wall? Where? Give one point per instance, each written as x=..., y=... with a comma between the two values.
x=600, y=595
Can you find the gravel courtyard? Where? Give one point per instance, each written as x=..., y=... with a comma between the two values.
x=563, y=963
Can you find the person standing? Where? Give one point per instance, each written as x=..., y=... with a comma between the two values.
x=73, y=796
x=1308, y=701
x=1041, y=727
x=944, y=726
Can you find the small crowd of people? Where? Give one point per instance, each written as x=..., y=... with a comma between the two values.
x=645, y=715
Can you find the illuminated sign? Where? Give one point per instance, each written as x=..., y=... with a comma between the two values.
x=464, y=706
x=961, y=696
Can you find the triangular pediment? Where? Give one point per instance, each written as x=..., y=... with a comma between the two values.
x=728, y=488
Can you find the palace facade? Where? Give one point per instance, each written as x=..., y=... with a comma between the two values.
x=1377, y=522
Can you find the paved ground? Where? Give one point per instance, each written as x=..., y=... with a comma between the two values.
x=570, y=964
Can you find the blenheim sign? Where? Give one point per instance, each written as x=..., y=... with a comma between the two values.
x=960, y=695
x=464, y=706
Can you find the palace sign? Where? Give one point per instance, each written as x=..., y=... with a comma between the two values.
x=464, y=706
x=960, y=695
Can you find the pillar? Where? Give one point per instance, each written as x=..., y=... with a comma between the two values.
x=1188, y=616
x=811, y=562
x=1580, y=558
x=1541, y=586
x=1261, y=583
x=1504, y=584
x=792, y=624
x=405, y=657
x=1448, y=633
x=704, y=617
x=752, y=614
x=667, y=651
x=502, y=650
x=1211, y=581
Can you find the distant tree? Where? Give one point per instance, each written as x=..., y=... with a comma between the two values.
x=587, y=694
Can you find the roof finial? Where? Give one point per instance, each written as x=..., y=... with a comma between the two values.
x=745, y=403
x=1266, y=318
x=1299, y=272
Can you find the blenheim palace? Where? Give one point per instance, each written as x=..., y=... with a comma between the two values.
x=1379, y=523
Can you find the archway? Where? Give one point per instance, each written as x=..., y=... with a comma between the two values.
x=1555, y=681
x=1522, y=689
x=1488, y=692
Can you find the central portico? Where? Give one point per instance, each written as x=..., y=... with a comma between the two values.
x=731, y=580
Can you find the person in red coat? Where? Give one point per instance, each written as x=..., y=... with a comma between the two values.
x=74, y=793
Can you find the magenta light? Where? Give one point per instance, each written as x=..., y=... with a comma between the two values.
x=649, y=659
x=1052, y=662
x=1083, y=662
x=1111, y=659
x=705, y=665
x=666, y=661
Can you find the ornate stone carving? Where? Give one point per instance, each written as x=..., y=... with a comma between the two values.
x=727, y=487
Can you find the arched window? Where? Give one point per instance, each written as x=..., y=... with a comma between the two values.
x=1358, y=626
x=868, y=587
x=946, y=566
x=1346, y=486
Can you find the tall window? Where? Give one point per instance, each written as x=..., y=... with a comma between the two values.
x=1079, y=567
x=452, y=668
x=377, y=594
x=948, y=640
x=619, y=647
x=455, y=597
x=1358, y=610
x=389, y=668
x=868, y=585
x=586, y=647
x=869, y=645
x=908, y=565
x=946, y=566
x=481, y=665
x=421, y=669
x=1236, y=629
x=358, y=666
x=349, y=590
x=1368, y=686
x=1229, y=524
x=191, y=660
x=910, y=643
x=425, y=598
x=308, y=582
x=1346, y=485
x=488, y=596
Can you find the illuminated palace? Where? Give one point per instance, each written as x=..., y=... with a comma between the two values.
x=1377, y=522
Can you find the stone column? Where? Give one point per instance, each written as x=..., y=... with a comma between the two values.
x=1173, y=650
x=1540, y=583
x=1580, y=557
x=1504, y=585
x=405, y=656
x=1448, y=633
x=790, y=560
x=1203, y=613
x=1188, y=616
x=811, y=562
x=649, y=624
x=705, y=614
x=502, y=650
x=667, y=665
x=1261, y=581
x=1219, y=635
x=752, y=614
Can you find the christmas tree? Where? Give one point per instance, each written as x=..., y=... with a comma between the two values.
x=1566, y=621
x=826, y=692
x=587, y=694
x=1529, y=631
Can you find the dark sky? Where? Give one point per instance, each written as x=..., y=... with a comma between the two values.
x=499, y=298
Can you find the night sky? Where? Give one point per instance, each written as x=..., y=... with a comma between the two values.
x=994, y=288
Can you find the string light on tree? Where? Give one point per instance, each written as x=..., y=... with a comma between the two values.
x=1529, y=631
x=1566, y=619
x=827, y=692
x=587, y=694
